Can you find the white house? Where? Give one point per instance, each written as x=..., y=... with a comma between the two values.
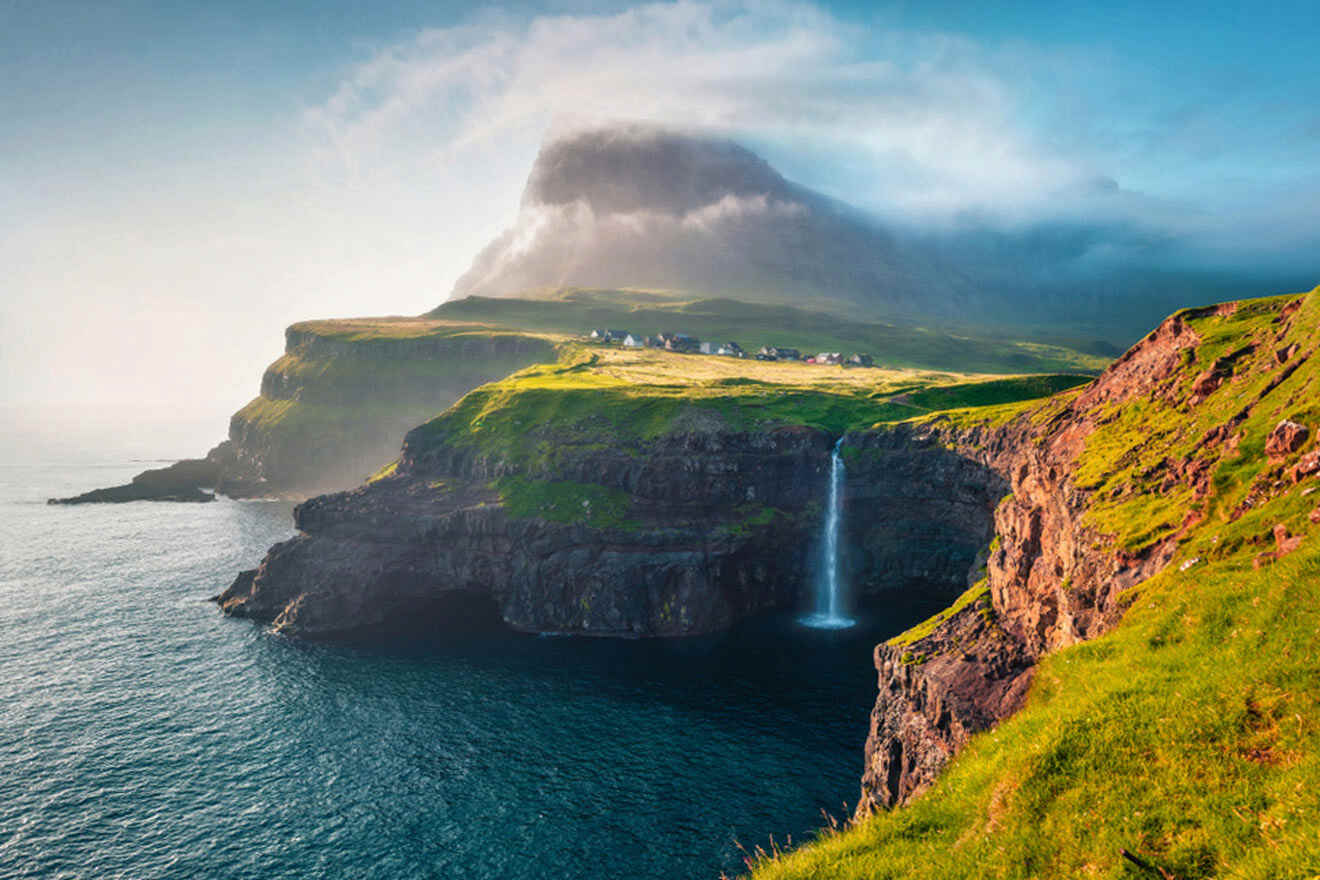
x=631, y=341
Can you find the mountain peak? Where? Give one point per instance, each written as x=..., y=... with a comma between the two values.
x=629, y=167
x=638, y=206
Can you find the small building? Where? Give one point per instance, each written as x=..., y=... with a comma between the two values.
x=778, y=353
x=706, y=348
x=731, y=349
x=597, y=335
x=828, y=357
x=860, y=360
x=630, y=341
x=607, y=335
x=655, y=341
x=681, y=342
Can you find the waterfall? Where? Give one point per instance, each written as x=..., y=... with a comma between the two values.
x=829, y=591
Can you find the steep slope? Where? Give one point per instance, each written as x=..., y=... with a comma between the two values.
x=1148, y=612
x=335, y=407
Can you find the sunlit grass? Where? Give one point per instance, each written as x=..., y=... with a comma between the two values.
x=1189, y=736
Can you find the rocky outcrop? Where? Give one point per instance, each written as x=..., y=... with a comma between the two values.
x=1286, y=438
x=186, y=480
x=713, y=530
x=1051, y=580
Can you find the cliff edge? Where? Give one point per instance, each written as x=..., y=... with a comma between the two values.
x=1130, y=688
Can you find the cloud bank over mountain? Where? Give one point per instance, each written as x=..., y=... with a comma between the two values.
x=637, y=205
x=926, y=127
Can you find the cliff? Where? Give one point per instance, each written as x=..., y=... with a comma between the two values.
x=1111, y=694
x=628, y=493
x=1051, y=578
x=335, y=407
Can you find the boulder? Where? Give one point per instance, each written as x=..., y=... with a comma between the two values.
x=1286, y=438
x=1306, y=465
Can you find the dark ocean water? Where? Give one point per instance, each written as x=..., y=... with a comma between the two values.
x=143, y=735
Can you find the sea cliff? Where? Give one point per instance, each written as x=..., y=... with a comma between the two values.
x=620, y=493
x=1130, y=686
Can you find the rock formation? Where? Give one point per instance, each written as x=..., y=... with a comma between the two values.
x=714, y=525
x=1053, y=577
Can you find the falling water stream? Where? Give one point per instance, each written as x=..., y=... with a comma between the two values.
x=829, y=599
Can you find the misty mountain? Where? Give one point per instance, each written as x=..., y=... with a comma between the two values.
x=637, y=206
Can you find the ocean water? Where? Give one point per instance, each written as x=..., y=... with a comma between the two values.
x=143, y=735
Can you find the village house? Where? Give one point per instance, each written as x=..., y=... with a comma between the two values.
x=706, y=348
x=631, y=341
x=682, y=342
x=607, y=335
x=827, y=357
x=731, y=349
x=776, y=353
x=860, y=360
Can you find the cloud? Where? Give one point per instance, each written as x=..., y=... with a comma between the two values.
x=926, y=116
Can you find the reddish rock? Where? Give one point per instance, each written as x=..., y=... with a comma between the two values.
x=1314, y=516
x=1206, y=383
x=1306, y=465
x=1285, y=543
x=1286, y=438
x=1052, y=580
x=1283, y=355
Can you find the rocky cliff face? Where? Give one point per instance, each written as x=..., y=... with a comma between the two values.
x=713, y=530
x=684, y=533
x=336, y=406
x=1052, y=577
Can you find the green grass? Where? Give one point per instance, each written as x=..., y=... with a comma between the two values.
x=1190, y=734
x=621, y=399
x=978, y=593
x=563, y=501
x=575, y=311
x=996, y=392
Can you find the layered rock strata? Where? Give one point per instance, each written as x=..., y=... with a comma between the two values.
x=1051, y=580
x=706, y=526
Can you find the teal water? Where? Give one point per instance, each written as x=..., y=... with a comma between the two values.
x=143, y=735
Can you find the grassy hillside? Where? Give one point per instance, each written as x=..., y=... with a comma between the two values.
x=643, y=393
x=1190, y=735
x=752, y=325
x=620, y=398
x=337, y=403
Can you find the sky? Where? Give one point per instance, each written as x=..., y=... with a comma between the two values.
x=180, y=181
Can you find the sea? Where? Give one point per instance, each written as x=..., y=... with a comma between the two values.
x=144, y=735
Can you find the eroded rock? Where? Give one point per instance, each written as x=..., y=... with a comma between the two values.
x=1286, y=438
